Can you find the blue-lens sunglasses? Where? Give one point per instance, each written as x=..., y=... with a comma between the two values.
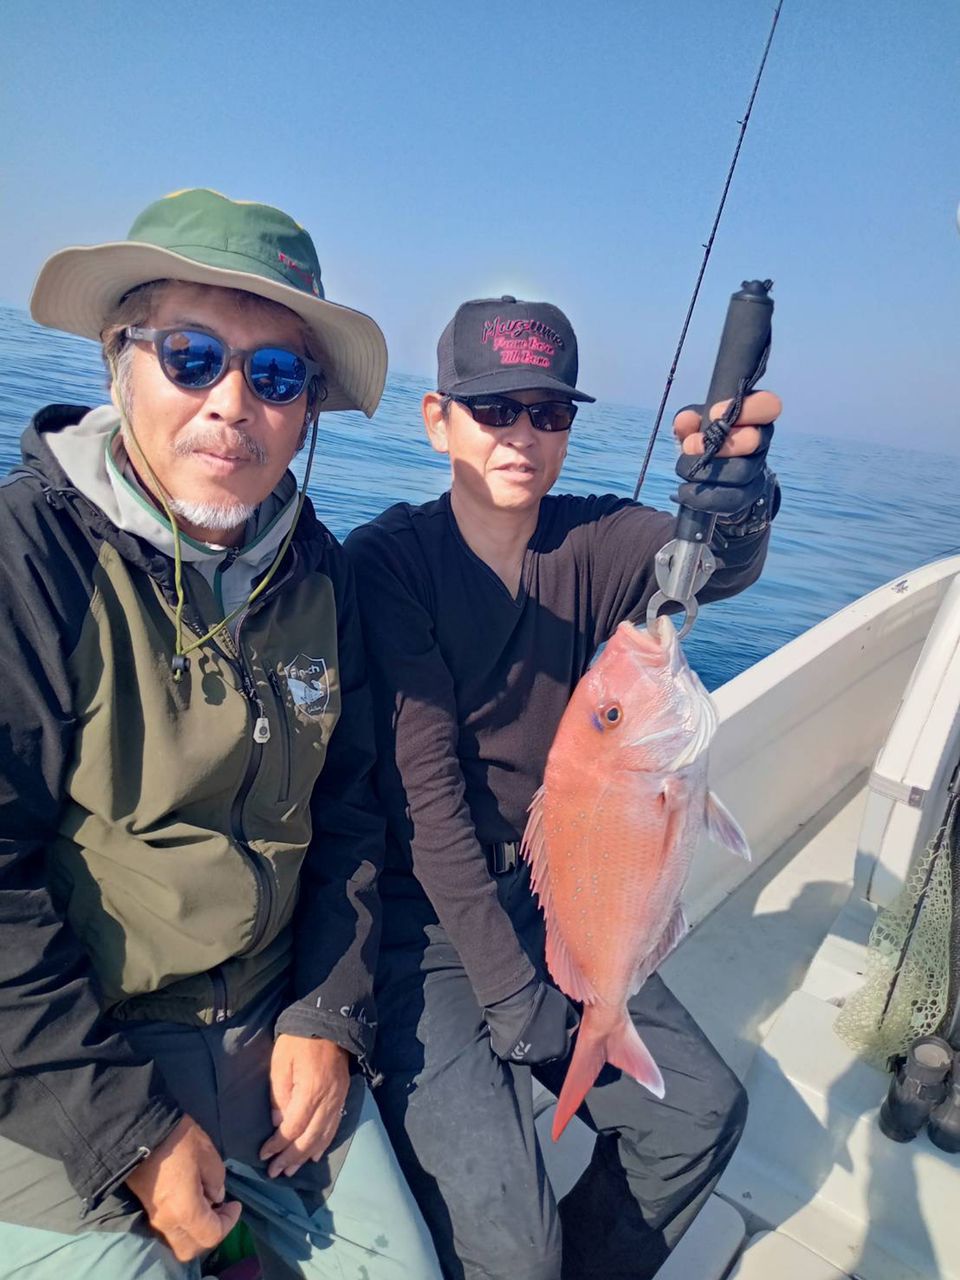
x=195, y=359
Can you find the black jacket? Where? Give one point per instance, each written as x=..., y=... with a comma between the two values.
x=114, y=778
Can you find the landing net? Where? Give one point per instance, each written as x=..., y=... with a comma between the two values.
x=892, y=1009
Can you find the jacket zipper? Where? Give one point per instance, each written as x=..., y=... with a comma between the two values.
x=228, y=558
x=262, y=879
x=261, y=735
x=220, y=1011
x=274, y=681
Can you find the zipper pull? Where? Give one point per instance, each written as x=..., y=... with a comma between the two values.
x=261, y=729
x=261, y=726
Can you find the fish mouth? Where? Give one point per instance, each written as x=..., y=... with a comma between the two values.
x=658, y=648
x=656, y=641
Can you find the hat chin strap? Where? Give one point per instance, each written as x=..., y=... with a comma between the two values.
x=180, y=661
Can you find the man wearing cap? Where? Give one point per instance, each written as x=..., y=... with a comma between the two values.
x=482, y=610
x=189, y=841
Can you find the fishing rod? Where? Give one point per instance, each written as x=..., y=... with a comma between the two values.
x=714, y=488
x=708, y=249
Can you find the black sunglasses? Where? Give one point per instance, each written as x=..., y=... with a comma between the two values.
x=195, y=360
x=502, y=411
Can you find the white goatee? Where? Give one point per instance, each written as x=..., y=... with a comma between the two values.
x=220, y=516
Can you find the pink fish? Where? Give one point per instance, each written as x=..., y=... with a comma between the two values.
x=610, y=837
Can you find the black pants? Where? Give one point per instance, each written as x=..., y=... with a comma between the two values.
x=462, y=1124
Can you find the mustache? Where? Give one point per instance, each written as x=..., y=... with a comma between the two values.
x=200, y=441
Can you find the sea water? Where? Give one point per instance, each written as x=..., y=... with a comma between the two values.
x=854, y=514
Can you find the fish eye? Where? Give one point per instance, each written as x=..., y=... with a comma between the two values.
x=613, y=714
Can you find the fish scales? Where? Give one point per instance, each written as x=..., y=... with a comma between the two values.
x=610, y=839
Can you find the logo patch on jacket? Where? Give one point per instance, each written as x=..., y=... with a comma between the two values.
x=309, y=683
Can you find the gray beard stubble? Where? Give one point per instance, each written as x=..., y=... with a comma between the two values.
x=221, y=517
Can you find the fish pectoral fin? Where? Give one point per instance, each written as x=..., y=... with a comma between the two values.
x=724, y=828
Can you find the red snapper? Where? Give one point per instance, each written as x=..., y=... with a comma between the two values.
x=610, y=838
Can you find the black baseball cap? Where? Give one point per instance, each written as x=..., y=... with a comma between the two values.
x=503, y=344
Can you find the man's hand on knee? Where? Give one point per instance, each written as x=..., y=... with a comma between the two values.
x=309, y=1079
x=181, y=1186
x=535, y=1024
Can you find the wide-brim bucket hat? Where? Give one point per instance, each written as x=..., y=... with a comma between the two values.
x=202, y=237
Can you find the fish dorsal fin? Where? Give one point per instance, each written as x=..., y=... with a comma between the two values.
x=675, y=931
x=724, y=828
x=533, y=848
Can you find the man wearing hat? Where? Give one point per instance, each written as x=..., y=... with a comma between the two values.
x=190, y=844
x=482, y=610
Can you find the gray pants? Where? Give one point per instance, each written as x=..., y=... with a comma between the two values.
x=350, y=1214
x=462, y=1122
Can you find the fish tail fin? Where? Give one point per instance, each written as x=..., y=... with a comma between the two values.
x=622, y=1048
x=588, y=1058
x=627, y=1051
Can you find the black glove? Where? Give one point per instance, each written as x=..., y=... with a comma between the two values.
x=756, y=517
x=535, y=1024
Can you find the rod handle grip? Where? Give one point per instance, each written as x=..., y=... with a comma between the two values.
x=744, y=344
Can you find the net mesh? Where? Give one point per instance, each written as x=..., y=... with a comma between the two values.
x=919, y=998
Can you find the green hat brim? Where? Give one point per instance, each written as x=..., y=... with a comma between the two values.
x=77, y=289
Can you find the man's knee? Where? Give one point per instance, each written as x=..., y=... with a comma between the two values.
x=728, y=1115
x=696, y=1129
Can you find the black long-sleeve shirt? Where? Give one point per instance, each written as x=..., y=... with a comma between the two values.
x=470, y=683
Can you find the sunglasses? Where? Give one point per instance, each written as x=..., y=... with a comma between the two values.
x=195, y=359
x=502, y=411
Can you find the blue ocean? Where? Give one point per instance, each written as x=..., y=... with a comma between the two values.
x=854, y=514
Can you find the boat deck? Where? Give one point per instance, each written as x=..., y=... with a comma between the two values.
x=737, y=970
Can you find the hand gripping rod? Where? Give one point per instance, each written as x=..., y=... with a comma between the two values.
x=685, y=564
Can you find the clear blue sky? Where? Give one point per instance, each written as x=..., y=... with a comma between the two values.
x=439, y=150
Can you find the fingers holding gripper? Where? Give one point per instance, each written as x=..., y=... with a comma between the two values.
x=760, y=408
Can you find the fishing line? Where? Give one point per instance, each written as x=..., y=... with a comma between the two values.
x=708, y=249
